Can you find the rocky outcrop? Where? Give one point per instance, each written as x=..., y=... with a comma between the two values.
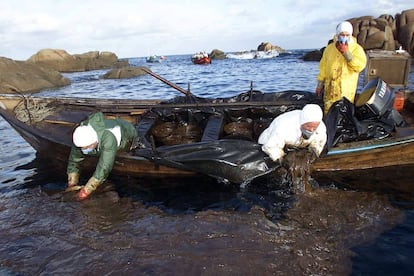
x=386, y=32
x=267, y=46
x=125, y=73
x=315, y=55
x=217, y=54
x=62, y=61
x=22, y=76
x=374, y=33
x=405, y=30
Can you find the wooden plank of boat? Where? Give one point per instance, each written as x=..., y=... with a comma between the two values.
x=368, y=155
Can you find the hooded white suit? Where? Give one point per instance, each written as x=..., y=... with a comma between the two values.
x=285, y=130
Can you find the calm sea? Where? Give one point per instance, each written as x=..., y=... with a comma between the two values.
x=195, y=227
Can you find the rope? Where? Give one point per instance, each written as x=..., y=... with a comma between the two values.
x=29, y=112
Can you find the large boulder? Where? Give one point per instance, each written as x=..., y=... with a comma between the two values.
x=406, y=37
x=125, y=73
x=217, y=54
x=62, y=61
x=267, y=46
x=405, y=33
x=386, y=32
x=315, y=55
x=373, y=33
x=22, y=76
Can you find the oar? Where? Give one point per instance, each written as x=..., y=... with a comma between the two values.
x=185, y=92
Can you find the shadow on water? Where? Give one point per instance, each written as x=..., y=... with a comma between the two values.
x=175, y=195
x=188, y=196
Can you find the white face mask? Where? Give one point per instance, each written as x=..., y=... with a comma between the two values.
x=87, y=150
x=343, y=39
x=306, y=134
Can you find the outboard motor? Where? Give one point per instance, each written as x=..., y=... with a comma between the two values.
x=372, y=116
x=375, y=100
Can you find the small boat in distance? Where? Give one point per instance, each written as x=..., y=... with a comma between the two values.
x=154, y=58
x=201, y=58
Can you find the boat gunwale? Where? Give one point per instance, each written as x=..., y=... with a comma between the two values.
x=370, y=145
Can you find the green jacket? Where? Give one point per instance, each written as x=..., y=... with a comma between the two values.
x=107, y=145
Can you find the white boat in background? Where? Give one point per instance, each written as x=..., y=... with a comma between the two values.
x=154, y=58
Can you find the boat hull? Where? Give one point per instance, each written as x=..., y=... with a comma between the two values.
x=203, y=60
x=386, y=161
x=387, y=153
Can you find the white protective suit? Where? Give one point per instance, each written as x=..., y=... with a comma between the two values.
x=285, y=130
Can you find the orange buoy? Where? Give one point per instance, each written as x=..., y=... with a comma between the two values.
x=399, y=101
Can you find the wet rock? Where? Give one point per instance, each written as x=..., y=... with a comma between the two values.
x=315, y=55
x=267, y=46
x=217, y=54
x=405, y=30
x=124, y=73
x=21, y=76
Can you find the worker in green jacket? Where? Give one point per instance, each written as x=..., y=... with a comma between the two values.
x=102, y=138
x=339, y=68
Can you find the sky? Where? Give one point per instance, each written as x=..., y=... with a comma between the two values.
x=138, y=28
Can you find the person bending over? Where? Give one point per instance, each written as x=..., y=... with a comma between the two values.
x=296, y=128
x=102, y=138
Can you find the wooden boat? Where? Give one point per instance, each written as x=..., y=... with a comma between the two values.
x=189, y=136
x=47, y=124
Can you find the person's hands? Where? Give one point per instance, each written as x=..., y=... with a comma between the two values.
x=73, y=179
x=82, y=195
x=342, y=47
x=90, y=186
x=318, y=91
x=274, y=153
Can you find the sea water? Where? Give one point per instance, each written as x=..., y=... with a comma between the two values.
x=200, y=226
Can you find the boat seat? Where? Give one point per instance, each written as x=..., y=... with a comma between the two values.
x=213, y=128
x=143, y=127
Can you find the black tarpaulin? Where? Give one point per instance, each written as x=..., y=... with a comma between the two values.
x=229, y=158
x=236, y=161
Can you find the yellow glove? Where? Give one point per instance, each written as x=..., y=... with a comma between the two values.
x=73, y=179
x=91, y=185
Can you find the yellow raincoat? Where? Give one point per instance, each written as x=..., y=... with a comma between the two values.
x=339, y=76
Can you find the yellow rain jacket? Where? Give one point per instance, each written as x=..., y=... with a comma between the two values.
x=339, y=76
